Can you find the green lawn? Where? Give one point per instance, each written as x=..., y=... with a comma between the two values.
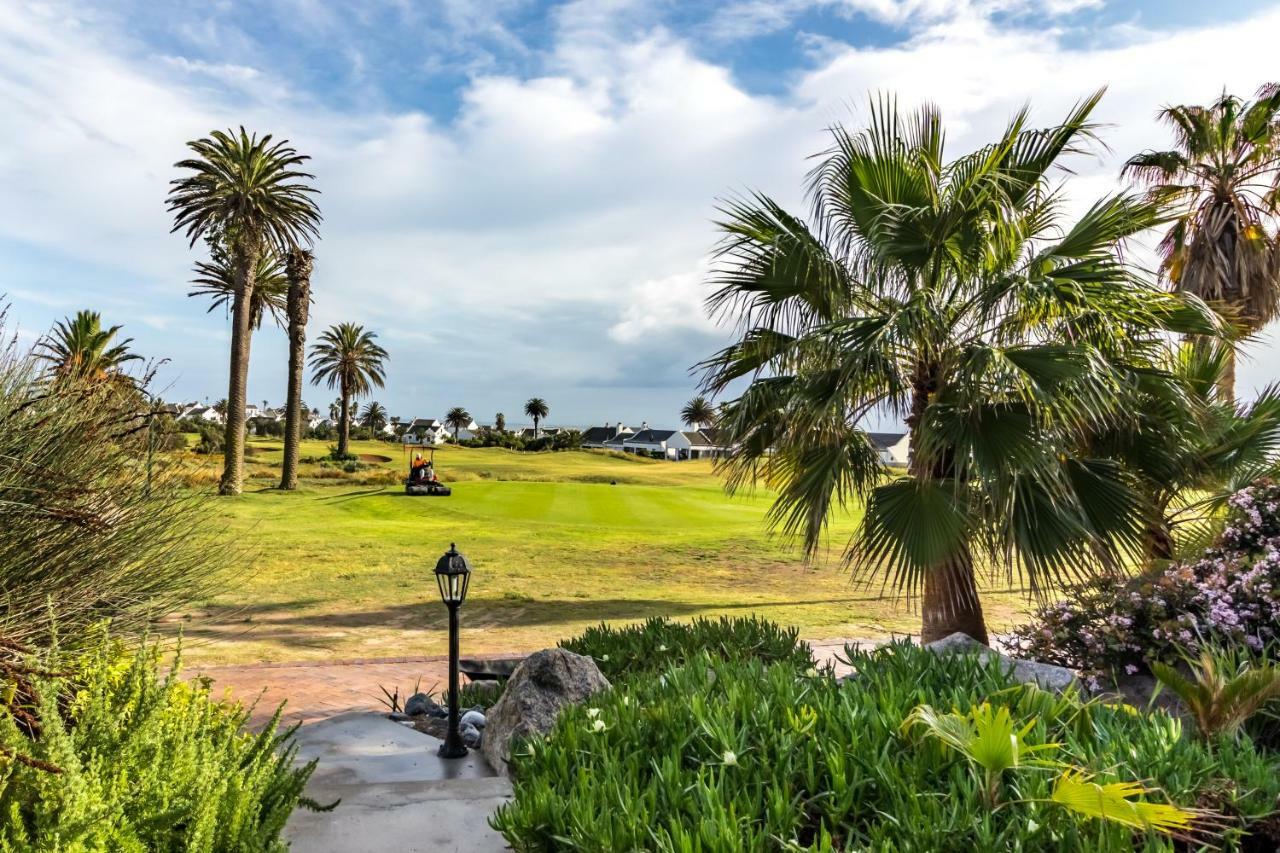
x=342, y=569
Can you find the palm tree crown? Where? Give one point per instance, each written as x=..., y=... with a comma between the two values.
x=374, y=416
x=1221, y=179
x=457, y=418
x=215, y=278
x=79, y=346
x=346, y=357
x=698, y=413
x=954, y=295
x=536, y=408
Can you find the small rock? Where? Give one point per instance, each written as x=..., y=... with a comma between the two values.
x=1046, y=676
x=472, y=718
x=470, y=735
x=419, y=704
x=439, y=712
x=398, y=717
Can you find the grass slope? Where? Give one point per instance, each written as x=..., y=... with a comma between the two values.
x=342, y=569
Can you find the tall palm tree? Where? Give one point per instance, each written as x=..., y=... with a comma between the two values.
x=374, y=416
x=698, y=413
x=953, y=294
x=347, y=358
x=248, y=193
x=216, y=279
x=79, y=347
x=536, y=408
x=298, y=266
x=335, y=408
x=500, y=422
x=1221, y=177
x=457, y=418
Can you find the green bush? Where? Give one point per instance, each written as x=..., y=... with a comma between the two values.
x=742, y=755
x=144, y=762
x=657, y=644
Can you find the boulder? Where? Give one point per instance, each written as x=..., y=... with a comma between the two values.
x=472, y=718
x=1055, y=679
x=419, y=704
x=539, y=689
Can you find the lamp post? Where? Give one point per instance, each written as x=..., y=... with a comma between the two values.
x=453, y=574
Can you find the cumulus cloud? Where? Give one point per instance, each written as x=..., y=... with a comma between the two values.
x=557, y=224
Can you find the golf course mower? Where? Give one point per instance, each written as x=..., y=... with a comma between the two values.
x=423, y=480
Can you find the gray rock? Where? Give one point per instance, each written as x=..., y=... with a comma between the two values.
x=539, y=689
x=1055, y=679
x=472, y=718
x=419, y=704
x=470, y=735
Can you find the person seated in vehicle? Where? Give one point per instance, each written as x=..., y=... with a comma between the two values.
x=418, y=469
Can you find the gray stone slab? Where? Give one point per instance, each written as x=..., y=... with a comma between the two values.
x=396, y=793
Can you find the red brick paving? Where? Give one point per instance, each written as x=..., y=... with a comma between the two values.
x=313, y=691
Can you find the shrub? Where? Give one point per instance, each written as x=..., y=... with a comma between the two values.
x=83, y=534
x=1230, y=596
x=742, y=755
x=143, y=761
x=657, y=644
x=212, y=437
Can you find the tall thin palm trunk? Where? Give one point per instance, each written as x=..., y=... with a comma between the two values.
x=299, y=270
x=233, y=444
x=344, y=421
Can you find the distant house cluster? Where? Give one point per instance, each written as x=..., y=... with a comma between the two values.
x=670, y=444
x=204, y=412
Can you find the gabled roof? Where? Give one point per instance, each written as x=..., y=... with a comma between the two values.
x=885, y=440
x=599, y=435
x=650, y=436
x=697, y=438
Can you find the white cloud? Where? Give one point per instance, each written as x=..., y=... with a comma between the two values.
x=583, y=194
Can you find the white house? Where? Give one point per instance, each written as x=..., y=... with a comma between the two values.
x=601, y=436
x=424, y=431
x=893, y=447
x=704, y=444
x=667, y=443
x=207, y=413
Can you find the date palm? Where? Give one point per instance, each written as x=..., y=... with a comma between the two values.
x=215, y=278
x=536, y=408
x=1221, y=178
x=298, y=265
x=79, y=347
x=374, y=416
x=346, y=358
x=456, y=419
x=698, y=413
x=955, y=295
x=247, y=192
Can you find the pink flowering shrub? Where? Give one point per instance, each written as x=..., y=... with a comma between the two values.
x=1230, y=595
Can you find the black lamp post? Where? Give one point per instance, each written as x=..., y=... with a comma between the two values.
x=453, y=574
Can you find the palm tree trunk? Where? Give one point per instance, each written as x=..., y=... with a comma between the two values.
x=299, y=304
x=1227, y=381
x=344, y=423
x=233, y=442
x=951, y=601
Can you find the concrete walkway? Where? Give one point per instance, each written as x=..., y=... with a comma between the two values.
x=396, y=794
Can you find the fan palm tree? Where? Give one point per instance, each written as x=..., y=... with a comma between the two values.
x=216, y=279
x=536, y=408
x=79, y=347
x=698, y=413
x=248, y=193
x=298, y=265
x=347, y=358
x=374, y=416
x=953, y=294
x=1221, y=177
x=457, y=419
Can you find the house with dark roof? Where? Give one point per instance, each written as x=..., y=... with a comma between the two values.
x=600, y=436
x=703, y=444
x=659, y=443
x=424, y=431
x=893, y=447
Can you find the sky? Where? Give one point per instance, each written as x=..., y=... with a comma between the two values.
x=519, y=197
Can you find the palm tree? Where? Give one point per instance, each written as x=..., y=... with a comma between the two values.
x=1221, y=178
x=500, y=423
x=347, y=358
x=79, y=347
x=246, y=193
x=537, y=409
x=698, y=413
x=457, y=419
x=216, y=279
x=335, y=408
x=298, y=265
x=951, y=294
x=374, y=416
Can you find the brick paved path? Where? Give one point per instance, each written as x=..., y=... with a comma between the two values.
x=314, y=691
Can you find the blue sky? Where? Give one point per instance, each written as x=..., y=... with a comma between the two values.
x=519, y=196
